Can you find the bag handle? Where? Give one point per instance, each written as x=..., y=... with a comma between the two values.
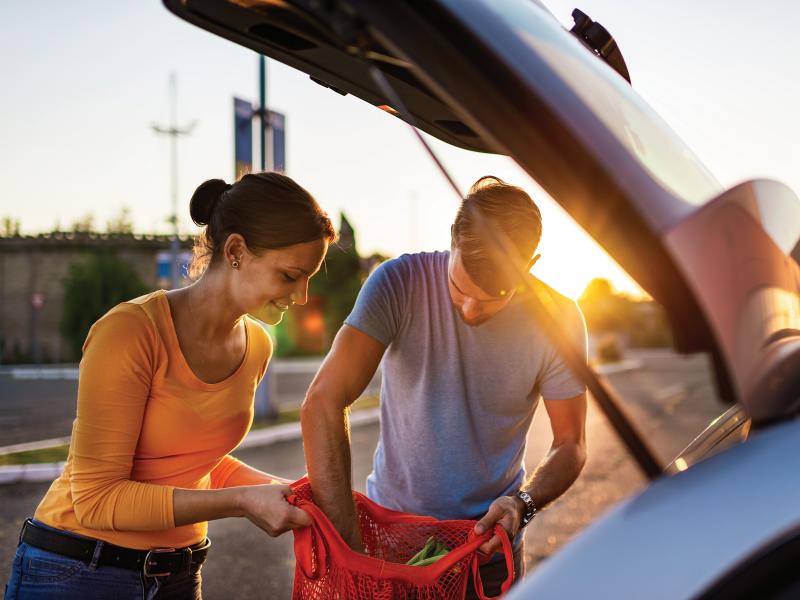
x=509, y=554
x=315, y=538
x=308, y=543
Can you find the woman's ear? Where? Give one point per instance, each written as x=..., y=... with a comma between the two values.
x=235, y=249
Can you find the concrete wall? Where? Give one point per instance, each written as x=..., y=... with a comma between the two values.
x=38, y=265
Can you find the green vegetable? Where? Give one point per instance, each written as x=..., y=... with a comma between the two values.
x=430, y=553
x=424, y=553
x=428, y=561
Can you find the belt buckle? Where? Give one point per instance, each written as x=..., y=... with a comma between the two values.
x=147, y=561
x=25, y=525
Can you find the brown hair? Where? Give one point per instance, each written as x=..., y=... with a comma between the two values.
x=268, y=210
x=512, y=211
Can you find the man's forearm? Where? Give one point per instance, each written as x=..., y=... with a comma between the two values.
x=326, y=442
x=552, y=477
x=556, y=473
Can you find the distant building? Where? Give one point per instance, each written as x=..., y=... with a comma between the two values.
x=32, y=269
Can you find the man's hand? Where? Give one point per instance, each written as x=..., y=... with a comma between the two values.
x=507, y=511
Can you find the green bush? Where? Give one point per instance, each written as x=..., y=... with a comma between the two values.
x=609, y=349
x=338, y=284
x=641, y=322
x=91, y=289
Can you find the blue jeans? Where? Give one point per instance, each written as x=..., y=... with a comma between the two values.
x=39, y=574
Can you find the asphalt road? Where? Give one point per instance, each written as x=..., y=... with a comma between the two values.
x=670, y=398
x=41, y=409
x=32, y=410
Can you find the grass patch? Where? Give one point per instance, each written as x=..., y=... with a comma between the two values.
x=44, y=455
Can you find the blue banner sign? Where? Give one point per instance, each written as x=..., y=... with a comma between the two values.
x=277, y=134
x=243, y=136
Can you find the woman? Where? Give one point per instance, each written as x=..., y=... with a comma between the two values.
x=165, y=393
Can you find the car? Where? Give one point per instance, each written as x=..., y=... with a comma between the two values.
x=723, y=519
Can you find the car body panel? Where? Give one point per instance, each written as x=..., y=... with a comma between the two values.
x=680, y=535
x=736, y=254
x=282, y=31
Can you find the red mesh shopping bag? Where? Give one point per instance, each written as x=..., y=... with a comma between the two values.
x=327, y=569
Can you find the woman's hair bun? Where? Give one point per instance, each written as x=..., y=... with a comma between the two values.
x=204, y=199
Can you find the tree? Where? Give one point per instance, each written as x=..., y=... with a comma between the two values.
x=84, y=225
x=10, y=227
x=91, y=288
x=338, y=283
x=603, y=309
x=641, y=323
x=122, y=223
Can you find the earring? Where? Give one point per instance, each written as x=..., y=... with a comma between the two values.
x=235, y=264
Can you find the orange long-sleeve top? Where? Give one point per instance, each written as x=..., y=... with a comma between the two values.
x=147, y=424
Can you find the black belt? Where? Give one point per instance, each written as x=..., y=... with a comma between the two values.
x=154, y=563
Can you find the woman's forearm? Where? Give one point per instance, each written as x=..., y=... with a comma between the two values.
x=196, y=506
x=247, y=475
x=231, y=472
x=265, y=505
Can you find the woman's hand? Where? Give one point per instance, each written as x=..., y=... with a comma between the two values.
x=266, y=506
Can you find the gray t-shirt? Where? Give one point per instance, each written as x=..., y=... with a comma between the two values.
x=456, y=401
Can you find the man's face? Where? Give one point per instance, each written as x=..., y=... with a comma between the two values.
x=474, y=306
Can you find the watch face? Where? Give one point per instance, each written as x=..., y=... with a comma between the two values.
x=530, y=508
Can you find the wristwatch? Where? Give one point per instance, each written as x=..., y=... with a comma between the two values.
x=530, y=508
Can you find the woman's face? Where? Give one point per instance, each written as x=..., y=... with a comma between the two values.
x=265, y=286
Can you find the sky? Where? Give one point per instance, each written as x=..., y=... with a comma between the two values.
x=84, y=82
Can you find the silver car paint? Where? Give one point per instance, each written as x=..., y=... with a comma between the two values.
x=682, y=533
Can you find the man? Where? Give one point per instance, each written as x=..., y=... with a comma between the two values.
x=464, y=365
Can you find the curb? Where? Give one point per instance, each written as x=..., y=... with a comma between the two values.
x=70, y=372
x=35, y=472
x=28, y=446
x=622, y=366
x=40, y=472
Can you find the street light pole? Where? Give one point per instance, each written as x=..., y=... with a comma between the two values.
x=265, y=407
x=262, y=108
x=173, y=131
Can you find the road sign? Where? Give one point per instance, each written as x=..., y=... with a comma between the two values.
x=274, y=125
x=243, y=136
x=277, y=137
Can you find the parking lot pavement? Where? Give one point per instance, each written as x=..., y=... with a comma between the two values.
x=671, y=398
x=41, y=404
x=33, y=410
